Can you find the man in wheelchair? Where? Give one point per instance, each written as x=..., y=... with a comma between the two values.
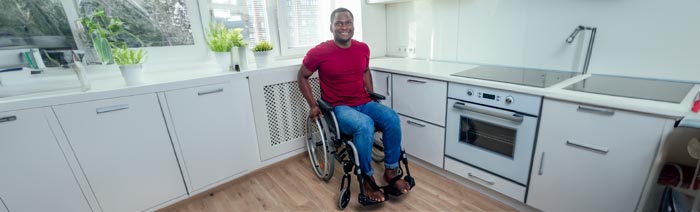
x=346, y=85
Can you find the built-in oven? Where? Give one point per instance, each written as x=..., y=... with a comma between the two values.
x=493, y=130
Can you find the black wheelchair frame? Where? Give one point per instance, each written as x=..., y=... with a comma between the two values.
x=324, y=137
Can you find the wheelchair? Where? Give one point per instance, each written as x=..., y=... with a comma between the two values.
x=326, y=144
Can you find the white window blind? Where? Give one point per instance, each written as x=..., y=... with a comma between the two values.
x=306, y=23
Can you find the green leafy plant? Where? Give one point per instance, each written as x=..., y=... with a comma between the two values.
x=262, y=46
x=102, y=30
x=222, y=39
x=98, y=23
x=125, y=56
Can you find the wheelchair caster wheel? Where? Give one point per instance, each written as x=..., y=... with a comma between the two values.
x=344, y=198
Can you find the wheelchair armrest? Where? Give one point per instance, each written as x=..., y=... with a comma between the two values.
x=375, y=96
x=325, y=106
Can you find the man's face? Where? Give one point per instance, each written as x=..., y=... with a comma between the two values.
x=342, y=27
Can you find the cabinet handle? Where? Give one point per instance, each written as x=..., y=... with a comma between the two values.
x=8, y=119
x=606, y=112
x=416, y=81
x=512, y=117
x=112, y=108
x=210, y=92
x=541, y=164
x=602, y=150
x=415, y=123
x=388, y=87
x=480, y=179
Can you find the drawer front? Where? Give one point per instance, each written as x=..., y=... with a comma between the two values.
x=423, y=140
x=420, y=98
x=600, y=149
x=486, y=179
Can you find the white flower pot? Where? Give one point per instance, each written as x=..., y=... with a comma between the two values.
x=224, y=60
x=133, y=74
x=262, y=58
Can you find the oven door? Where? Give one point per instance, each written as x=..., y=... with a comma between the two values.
x=495, y=140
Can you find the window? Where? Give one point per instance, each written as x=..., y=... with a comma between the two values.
x=298, y=25
x=147, y=22
x=305, y=23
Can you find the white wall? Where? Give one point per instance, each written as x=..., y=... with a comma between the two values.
x=642, y=38
x=374, y=28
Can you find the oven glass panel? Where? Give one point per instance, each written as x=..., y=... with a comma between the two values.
x=487, y=136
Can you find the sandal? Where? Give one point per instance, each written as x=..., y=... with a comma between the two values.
x=364, y=199
x=391, y=187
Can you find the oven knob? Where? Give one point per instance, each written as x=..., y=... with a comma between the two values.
x=509, y=99
x=470, y=92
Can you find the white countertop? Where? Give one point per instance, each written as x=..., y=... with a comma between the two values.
x=109, y=83
x=444, y=70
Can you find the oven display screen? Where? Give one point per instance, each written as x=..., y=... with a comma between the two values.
x=488, y=96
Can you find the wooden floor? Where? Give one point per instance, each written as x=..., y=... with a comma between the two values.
x=291, y=185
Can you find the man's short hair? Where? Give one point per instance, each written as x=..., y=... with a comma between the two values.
x=341, y=9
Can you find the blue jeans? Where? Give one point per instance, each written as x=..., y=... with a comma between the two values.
x=359, y=121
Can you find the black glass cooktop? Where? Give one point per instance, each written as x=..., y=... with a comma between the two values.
x=521, y=76
x=650, y=89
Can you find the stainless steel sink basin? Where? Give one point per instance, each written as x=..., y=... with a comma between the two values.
x=650, y=89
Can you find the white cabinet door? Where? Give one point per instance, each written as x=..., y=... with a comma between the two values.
x=420, y=98
x=590, y=158
x=423, y=140
x=382, y=85
x=123, y=146
x=34, y=173
x=214, y=128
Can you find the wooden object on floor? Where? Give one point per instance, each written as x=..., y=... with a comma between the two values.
x=291, y=185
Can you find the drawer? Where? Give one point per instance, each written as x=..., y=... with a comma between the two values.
x=486, y=179
x=420, y=98
x=423, y=140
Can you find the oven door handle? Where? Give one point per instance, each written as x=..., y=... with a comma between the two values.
x=513, y=117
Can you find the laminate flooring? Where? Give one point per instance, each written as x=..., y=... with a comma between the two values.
x=291, y=185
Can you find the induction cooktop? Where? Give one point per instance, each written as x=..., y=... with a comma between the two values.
x=521, y=76
x=650, y=89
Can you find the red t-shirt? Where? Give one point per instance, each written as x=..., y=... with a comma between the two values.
x=341, y=72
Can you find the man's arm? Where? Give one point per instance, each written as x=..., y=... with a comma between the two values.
x=368, y=80
x=305, y=88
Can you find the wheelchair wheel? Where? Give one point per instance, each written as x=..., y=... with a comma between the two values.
x=378, y=149
x=344, y=198
x=317, y=140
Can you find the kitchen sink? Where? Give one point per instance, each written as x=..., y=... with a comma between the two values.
x=517, y=75
x=638, y=88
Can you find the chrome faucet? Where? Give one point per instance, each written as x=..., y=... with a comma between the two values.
x=571, y=37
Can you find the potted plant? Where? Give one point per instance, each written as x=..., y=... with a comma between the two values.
x=222, y=41
x=130, y=64
x=262, y=53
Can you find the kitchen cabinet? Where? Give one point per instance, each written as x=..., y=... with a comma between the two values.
x=423, y=140
x=590, y=158
x=124, y=149
x=35, y=175
x=420, y=98
x=381, y=82
x=213, y=126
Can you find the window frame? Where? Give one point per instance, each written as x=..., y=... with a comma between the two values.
x=158, y=55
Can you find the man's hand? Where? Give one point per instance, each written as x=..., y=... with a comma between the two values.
x=314, y=113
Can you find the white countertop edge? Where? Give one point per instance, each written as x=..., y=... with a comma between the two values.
x=430, y=70
x=176, y=76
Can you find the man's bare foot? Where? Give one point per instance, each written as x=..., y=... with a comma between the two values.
x=370, y=192
x=400, y=184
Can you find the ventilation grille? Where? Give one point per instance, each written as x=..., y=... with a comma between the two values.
x=287, y=110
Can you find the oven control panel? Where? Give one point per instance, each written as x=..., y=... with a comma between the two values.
x=510, y=100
